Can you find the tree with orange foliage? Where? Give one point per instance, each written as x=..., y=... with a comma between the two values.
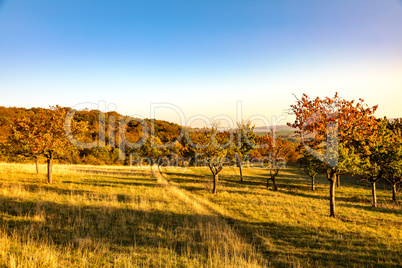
x=339, y=127
x=43, y=134
x=276, y=149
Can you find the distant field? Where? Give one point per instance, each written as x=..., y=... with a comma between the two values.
x=282, y=133
x=116, y=216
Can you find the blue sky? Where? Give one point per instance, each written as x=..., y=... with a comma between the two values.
x=201, y=56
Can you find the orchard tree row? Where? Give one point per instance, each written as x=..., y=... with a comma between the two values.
x=92, y=137
x=344, y=137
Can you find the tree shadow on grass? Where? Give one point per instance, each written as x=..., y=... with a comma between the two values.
x=132, y=178
x=370, y=208
x=248, y=180
x=323, y=195
x=307, y=195
x=226, y=181
x=182, y=174
x=107, y=183
x=114, y=172
x=284, y=244
x=35, y=188
x=94, y=195
x=118, y=228
x=187, y=178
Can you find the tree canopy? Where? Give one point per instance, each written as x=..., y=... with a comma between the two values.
x=339, y=127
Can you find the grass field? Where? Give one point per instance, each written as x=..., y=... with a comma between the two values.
x=116, y=216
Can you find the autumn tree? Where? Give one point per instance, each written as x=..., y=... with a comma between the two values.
x=245, y=143
x=43, y=134
x=214, y=146
x=275, y=149
x=7, y=117
x=338, y=126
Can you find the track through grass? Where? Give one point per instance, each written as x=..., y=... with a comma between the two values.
x=291, y=227
x=103, y=220
x=121, y=217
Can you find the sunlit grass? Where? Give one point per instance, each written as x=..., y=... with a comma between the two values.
x=101, y=219
x=291, y=227
x=95, y=216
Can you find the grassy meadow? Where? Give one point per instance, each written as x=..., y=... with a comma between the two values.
x=104, y=216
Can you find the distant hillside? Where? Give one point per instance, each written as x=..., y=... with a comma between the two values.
x=164, y=130
x=278, y=128
x=281, y=130
x=287, y=132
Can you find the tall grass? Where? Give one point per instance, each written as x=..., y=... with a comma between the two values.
x=98, y=220
x=95, y=216
x=291, y=227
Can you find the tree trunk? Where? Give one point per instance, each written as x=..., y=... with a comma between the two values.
x=312, y=183
x=338, y=180
x=37, y=164
x=394, y=192
x=274, y=183
x=332, y=181
x=241, y=173
x=215, y=183
x=272, y=178
x=49, y=169
x=374, y=195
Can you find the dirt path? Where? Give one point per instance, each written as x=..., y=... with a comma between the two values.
x=203, y=206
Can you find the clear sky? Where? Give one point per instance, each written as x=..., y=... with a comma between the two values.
x=201, y=56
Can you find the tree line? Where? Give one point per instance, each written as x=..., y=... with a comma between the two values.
x=98, y=138
x=344, y=137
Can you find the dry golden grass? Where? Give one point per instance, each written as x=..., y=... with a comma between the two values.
x=291, y=227
x=95, y=216
x=113, y=216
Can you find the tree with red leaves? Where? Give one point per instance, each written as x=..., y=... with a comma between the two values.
x=276, y=149
x=339, y=126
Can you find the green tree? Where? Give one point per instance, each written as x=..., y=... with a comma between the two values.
x=394, y=177
x=214, y=146
x=381, y=157
x=375, y=157
x=394, y=156
x=245, y=143
x=310, y=165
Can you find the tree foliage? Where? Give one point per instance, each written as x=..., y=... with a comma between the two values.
x=245, y=143
x=339, y=126
x=42, y=134
x=310, y=165
x=275, y=149
x=394, y=155
x=214, y=146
